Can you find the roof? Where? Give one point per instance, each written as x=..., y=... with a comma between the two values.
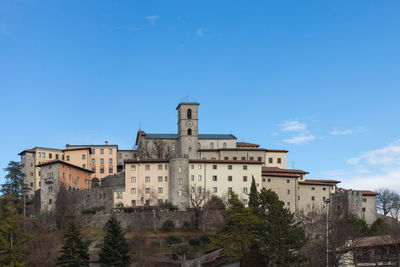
x=78, y=146
x=369, y=193
x=281, y=174
x=244, y=144
x=372, y=241
x=242, y=149
x=146, y=160
x=175, y=136
x=27, y=150
x=225, y=161
x=280, y=170
x=33, y=150
x=326, y=181
x=128, y=150
x=62, y=162
x=312, y=182
x=217, y=136
x=187, y=103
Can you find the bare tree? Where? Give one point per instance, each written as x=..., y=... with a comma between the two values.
x=197, y=197
x=388, y=202
x=155, y=148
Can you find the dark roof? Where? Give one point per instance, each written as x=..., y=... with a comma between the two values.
x=146, y=160
x=280, y=170
x=175, y=136
x=281, y=174
x=369, y=193
x=187, y=103
x=130, y=150
x=244, y=144
x=311, y=182
x=326, y=181
x=62, y=162
x=78, y=148
x=225, y=161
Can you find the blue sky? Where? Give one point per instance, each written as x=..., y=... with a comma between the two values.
x=319, y=78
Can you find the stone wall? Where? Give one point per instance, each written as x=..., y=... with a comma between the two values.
x=95, y=197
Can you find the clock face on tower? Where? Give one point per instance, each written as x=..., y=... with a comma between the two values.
x=189, y=124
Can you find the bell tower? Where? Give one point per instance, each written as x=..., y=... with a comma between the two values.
x=188, y=130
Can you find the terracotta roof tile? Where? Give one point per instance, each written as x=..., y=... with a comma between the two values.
x=369, y=193
x=225, y=161
x=62, y=162
x=244, y=144
x=146, y=160
x=280, y=170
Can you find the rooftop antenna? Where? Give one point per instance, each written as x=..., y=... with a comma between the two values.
x=292, y=162
x=140, y=125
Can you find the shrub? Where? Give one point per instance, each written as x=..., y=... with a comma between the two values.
x=127, y=209
x=155, y=243
x=173, y=239
x=194, y=241
x=205, y=238
x=168, y=225
x=93, y=210
x=186, y=226
x=168, y=206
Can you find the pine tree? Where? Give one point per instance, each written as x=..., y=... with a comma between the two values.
x=115, y=247
x=12, y=235
x=75, y=250
x=253, y=196
x=236, y=236
x=280, y=238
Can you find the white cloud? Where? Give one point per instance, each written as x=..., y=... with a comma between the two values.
x=293, y=125
x=388, y=155
x=299, y=139
x=152, y=19
x=199, y=32
x=341, y=132
x=353, y=161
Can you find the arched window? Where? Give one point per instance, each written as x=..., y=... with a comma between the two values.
x=189, y=113
x=224, y=145
x=212, y=145
x=189, y=131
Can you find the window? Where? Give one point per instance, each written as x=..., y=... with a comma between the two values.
x=93, y=168
x=211, y=145
x=147, y=167
x=147, y=191
x=192, y=166
x=312, y=198
x=298, y=197
x=244, y=178
x=243, y=158
x=179, y=169
x=159, y=167
x=288, y=204
x=39, y=155
x=119, y=195
x=189, y=131
x=288, y=192
x=180, y=181
x=110, y=170
x=214, y=190
x=160, y=179
x=279, y=160
x=147, y=179
x=288, y=181
x=224, y=145
x=166, y=167
x=364, y=200
x=312, y=188
x=269, y=180
x=199, y=178
x=83, y=156
x=133, y=167
x=323, y=198
x=133, y=179
x=234, y=158
x=214, y=167
x=192, y=178
x=147, y=202
x=363, y=209
x=101, y=150
x=245, y=201
x=110, y=160
x=189, y=114
x=214, y=178
x=226, y=158
x=101, y=169
x=93, y=161
x=31, y=173
x=244, y=167
x=245, y=190
x=84, y=166
x=324, y=188
x=180, y=193
x=192, y=189
x=50, y=155
x=133, y=203
x=229, y=189
x=160, y=190
x=213, y=158
x=166, y=178
x=263, y=179
x=229, y=167
x=259, y=159
x=43, y=155
x=67, y=158
x=120, y=155
x=110, y=151
x=229, y=178
x=199, y=189
x=93, y=151
x=101, y=161
x=50, y=201
x=270, y=160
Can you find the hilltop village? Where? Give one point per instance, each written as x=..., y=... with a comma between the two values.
x=177, y=167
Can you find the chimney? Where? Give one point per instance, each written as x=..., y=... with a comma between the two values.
x=106, y=142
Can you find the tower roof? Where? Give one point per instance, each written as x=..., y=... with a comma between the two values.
x=187, y=103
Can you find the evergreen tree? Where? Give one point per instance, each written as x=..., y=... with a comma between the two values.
x=236, y=236
x=280, y=237
x=12, y=235
x=75, y=250
x=253, y=196
x=115, y=248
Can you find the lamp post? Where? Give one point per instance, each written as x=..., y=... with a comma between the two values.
x=327, y=201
